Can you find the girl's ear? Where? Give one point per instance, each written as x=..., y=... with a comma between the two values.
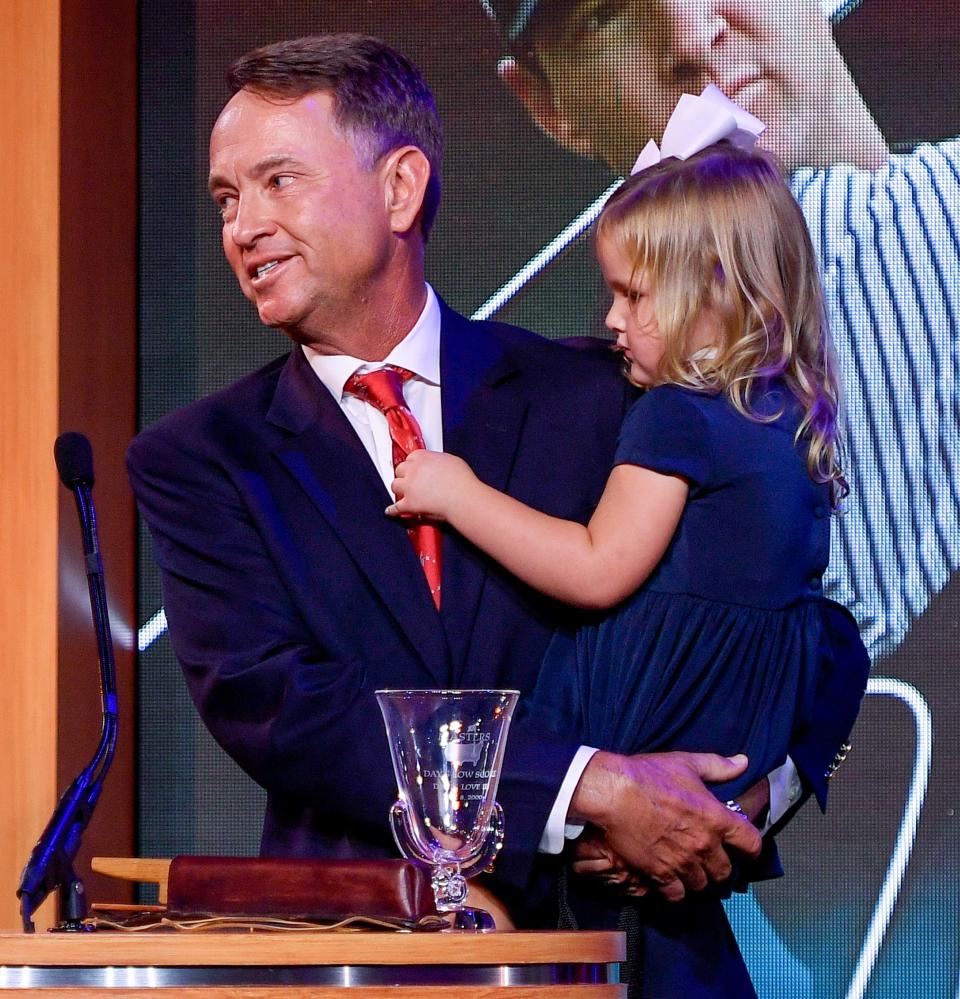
x=536, y=95
x=406, y=173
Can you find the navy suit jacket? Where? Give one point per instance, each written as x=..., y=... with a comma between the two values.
x=291, y=597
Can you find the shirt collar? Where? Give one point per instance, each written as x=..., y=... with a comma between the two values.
x=418, y=351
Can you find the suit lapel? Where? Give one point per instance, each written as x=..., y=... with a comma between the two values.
x=483, y=417
x=325, y=456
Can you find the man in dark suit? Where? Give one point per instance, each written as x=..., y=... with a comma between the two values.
x=291, y=597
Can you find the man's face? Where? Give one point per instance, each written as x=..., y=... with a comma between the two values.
x=616, y=69
x=305, y=226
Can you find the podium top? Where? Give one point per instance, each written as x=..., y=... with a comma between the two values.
x=109, y=948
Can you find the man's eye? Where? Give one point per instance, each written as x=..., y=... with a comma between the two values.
x=226, y=204
x=281, y=180
x=596, y=16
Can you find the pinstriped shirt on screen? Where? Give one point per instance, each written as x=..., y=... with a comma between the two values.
x=889, y=245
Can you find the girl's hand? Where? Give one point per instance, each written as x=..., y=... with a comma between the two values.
x=593, y=857
x=428, y=484
x=755, y=802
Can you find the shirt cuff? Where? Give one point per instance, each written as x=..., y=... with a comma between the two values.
x=785, y=791
x=557, y=829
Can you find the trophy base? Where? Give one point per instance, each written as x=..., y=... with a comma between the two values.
x=471, y=920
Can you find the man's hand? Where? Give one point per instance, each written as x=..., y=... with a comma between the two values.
x=658, y=816
x=428, y=483
x=595, y=858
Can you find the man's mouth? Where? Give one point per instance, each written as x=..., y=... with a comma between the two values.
x=266, y=268
x=743, y=86
x=260, y=273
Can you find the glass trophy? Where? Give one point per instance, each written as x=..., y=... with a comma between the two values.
x=447, y=750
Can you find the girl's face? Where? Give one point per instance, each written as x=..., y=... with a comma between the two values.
x=632, y=316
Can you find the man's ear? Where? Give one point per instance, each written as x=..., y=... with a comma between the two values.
x=406, y=174
x=536, y=95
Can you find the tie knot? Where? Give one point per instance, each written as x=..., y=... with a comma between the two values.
x=382, y=388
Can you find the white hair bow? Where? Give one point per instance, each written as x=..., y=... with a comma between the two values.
x=698, y=122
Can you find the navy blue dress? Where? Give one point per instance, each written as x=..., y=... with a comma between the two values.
x=719, y=650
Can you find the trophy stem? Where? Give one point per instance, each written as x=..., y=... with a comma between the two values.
x=450, y=891
x=449, y=886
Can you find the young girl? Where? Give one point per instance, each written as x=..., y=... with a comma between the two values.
x=709, y=544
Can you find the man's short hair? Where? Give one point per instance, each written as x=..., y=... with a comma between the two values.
x=380, y=100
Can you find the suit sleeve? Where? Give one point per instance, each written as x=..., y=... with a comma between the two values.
x=817, y=745
x=289, y=712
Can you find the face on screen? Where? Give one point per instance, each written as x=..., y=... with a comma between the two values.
x=615, y=69
x=305, y=226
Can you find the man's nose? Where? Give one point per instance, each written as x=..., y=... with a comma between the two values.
x=695, y=28
x=251, y=221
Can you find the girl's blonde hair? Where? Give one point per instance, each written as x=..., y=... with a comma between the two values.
x=722, y=230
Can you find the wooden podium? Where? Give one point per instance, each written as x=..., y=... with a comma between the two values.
x=319, y=965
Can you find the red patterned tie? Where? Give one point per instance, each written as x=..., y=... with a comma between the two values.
x=384, y=389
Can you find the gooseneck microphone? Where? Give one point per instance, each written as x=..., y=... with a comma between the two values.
x=51, y=863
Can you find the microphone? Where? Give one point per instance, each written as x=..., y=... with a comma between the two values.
x=51, y=863
x=74, y=458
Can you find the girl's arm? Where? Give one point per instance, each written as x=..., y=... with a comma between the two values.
x=594, y=566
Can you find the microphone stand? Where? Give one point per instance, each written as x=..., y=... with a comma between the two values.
x=51, y=863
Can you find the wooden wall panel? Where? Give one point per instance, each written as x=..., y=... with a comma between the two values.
x=29, y=178
x=68, y=285
x=97, y=384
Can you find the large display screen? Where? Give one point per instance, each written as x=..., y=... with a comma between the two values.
x=544, y=106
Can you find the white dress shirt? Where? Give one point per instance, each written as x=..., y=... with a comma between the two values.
x=419, y=352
